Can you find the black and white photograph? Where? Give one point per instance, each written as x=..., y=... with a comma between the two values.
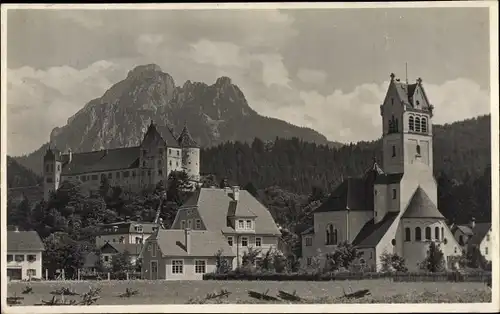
x=257, y=157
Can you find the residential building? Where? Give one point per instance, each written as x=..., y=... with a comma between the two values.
x=183, y=254
x=236, y=214
x=475, y=235
x=109, y=250
x=24, y=255
x=391, y=208
x=126, y=232
x=131, y=168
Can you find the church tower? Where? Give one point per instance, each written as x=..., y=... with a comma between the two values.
x=407, y=128
x=52, y=167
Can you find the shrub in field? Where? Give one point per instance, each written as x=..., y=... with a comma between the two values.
x=342, y=257
x=434, y=262
x=392, y=262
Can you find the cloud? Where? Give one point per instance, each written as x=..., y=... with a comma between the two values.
x=313, y=77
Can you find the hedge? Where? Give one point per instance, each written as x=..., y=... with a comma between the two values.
x=397, y=277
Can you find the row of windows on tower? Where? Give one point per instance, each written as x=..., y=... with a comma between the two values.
x=428, y=234
x=417, y=124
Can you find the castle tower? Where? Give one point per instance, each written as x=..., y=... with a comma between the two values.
x=407, y=128
x=52, y=167
x=190, y=154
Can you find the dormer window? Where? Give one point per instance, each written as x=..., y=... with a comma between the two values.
x=241, y=224
x=249, y=224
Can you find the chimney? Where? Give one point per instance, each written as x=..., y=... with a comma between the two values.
x=187, y=239
x=236, y=193
x=473, y=223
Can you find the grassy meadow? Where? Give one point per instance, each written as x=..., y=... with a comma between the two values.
x=183, y=292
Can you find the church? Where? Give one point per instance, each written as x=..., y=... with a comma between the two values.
x=131, y=168
x=393, y=207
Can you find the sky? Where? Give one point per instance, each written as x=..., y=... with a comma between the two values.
x=327, y=69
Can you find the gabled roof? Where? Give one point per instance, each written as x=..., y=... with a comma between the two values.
x=421, y=206
x=479, y=232
x=214, y=204
x=465, y=229
x=371, y=233
x=27, y=241
x=203, y=243
x=102, y=161
x=186, y=140
x=131, y=248
x=238, y=209
x=308, y=231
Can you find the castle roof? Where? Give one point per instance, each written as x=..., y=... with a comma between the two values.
x=103, y=160
x=479, y=232
x=215, y=204
x=371, y=233
x=186, y=140
x=159, y=135
x=421, y=206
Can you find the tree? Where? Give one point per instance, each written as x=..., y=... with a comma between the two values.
x=392, y=262
x=62, y=252
x=179, y=187
x=121, y=263
x=434, y=262
x=472, y=258
x=342, y=257
x=249, y=258
x=221, y=264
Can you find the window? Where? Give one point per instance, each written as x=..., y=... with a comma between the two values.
x=428, y=233
x=407, y=234
x=138, y=228
x=309, y=261
x=258, y=241
x=331, y=235
x=114, y=240
x=198, y=224
x=183, y=224
x=418, y=150
x=154, y=266
x=106, y=258
x=200, y=266
x=58, y=167
x=31, y=258
x=31, y=272
x=436, y=231
x=95, y=177
x=170, y=162
x=442, y=233
x=118, y=175
x=160, y=172
x=110, y=175
x=178, y=153
x=149, y=172
x=455, y=250
x=138, y=240
x=122, y=240
x=371, y=255
x=411, y=124
x=393, y=194
x=487, y=237
x=241, y=224
x=169, y=151
x=230, y=241
x=177, y=266
x=10, y=258
x=249, y=224
x=244, y=241
x=485, y=251
x=309, y=241
x=133, y=174
x=153, y=249
x=190, y=223
x=417, y=124
x=418, y=234
x=424, y=125
x=19, y=258
x=126, y=174
x=393, y=151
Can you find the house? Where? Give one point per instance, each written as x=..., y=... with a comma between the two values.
x=24, y=255
x=475, y=234
x=125, y=232
x=390, y=208
x=109, y=250
x=237, y=214
x=131, y=168
x=183, y=254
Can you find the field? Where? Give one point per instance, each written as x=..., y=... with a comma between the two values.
x=182, y=292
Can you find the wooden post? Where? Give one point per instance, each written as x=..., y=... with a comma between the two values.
x=46, y=274
x=109, y=276
x=63, y=275
x=78, y=274
x=127, y=275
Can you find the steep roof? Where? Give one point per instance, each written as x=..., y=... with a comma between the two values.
x=308, y=231
x=102, y=160
x=465, y=229
x=421, y=206
x=479, y=232
x=186, y=140
x=28, y=241
x=159, y=135
x=127, y=227
x=131, y=248
x=405, y=91
x=203, y=243
x=371, y=233
x=214, y=205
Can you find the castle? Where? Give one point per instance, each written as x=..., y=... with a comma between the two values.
x=131, y=168
x=390, y=209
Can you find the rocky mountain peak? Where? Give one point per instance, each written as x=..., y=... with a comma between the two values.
x=223, y=81
x=144, y=70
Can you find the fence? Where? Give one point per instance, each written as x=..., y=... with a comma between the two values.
x=396, y=277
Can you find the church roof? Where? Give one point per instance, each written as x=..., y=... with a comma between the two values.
x=186, y=140
x=103, y=160
x=371, y=233
x=421, y=206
